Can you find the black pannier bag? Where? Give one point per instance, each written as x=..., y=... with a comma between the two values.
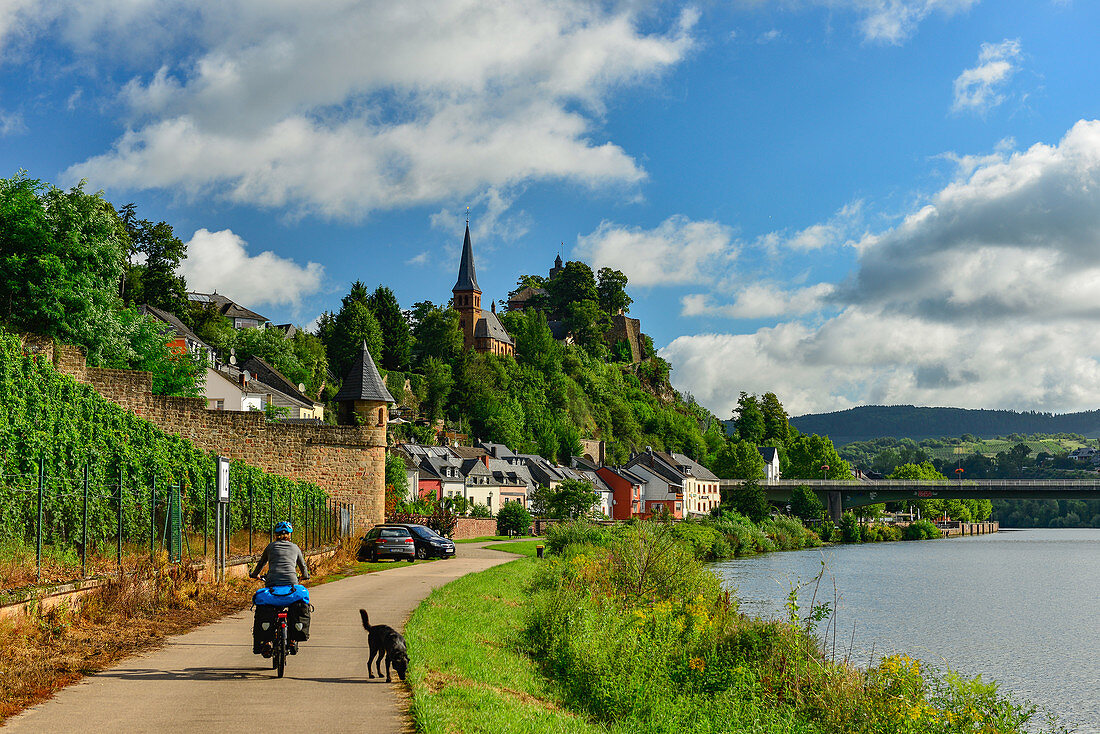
x=268, y=615
x=298, y=621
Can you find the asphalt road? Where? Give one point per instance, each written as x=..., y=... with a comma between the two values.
x=208, y=681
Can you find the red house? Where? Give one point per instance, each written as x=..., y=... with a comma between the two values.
x=626, y=491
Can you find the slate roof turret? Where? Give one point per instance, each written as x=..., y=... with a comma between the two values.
x=467, y=278
x=363, y=381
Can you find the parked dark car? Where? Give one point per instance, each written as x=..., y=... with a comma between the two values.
x=429, y=543
x=388, y=541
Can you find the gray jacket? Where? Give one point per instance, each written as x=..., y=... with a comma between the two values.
x=283, y=559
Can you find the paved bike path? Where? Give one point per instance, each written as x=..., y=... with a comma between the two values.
x=210, y=677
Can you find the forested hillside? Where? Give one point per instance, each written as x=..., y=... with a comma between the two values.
x=908, y=421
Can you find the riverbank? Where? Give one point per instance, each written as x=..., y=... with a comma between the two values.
x=637, y=636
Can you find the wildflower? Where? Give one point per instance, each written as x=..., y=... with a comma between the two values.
x=697, y=664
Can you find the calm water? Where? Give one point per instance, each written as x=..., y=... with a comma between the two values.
x=1021, y=607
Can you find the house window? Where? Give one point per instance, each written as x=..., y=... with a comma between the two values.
x=382, y=416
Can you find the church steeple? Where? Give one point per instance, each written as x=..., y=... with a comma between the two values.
x=467, y=278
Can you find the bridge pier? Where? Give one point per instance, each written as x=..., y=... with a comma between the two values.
x=836, y=508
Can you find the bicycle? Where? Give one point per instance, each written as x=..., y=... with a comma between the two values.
x=280, y=637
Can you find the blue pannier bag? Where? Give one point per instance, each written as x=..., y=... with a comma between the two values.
x=280, y=596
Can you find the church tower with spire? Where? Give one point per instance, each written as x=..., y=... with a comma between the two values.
x=481, y=330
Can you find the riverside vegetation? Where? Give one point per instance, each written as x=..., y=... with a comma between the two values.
x=630, y=632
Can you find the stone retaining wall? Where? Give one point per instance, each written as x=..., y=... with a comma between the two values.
x=348, y=462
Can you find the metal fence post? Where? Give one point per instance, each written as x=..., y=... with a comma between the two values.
x=205, y=519
x=290, y=508
x=270, y=513
x=152, y=518
x=251, y=513
x=84, y=538
x=38, y=525
x=121, y=476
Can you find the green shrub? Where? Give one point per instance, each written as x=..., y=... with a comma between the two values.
x=921, y=530
x=788, y=533
x=575, y=532
x=849, y=528
x=513, y=518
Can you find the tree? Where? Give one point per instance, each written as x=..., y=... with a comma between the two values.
x=396, y=337
x=513, y=519
x=61, y=259
x=354, y=325
x=575, y=283
x=739, y=460
x=777, y=427
x=587, y=323
x=749, y=420
x=611, y=291
x=397, y=476
x=437, y=375
x=573, y=498
x=436, y=333
x=155, y=281
x=806, y=504
x=538, y=499
x=750, y=499
x=806, y=454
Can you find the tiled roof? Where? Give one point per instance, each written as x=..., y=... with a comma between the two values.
x=768, y=452
x=489, y=325
x=363, y=381
x=467, y=278
x=225, y=306
x=170, y=319
x=273, y=377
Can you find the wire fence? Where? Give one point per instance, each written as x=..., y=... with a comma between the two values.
x=56, y=529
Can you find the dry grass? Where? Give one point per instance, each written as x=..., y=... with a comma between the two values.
x=45, y=651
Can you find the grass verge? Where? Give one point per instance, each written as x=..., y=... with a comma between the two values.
x=523, y=547
x=484, y=539
x=466, y=674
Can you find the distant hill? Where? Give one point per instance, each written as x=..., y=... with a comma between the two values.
x=908, y=421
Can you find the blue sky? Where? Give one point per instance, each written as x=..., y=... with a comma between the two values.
x=843, y=201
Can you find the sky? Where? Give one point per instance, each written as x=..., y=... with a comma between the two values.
x=845, y=202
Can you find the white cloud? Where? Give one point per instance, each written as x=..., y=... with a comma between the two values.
x=866, y=357
x=836, y=231
x=11, y=123
x=491, y=221
x=419, y=259
x=677, y=251
x=354, y=106
x=768, y=36
x=220, y=261
x=760, y=300
x=881, y=21
x=987, y=296
x=978, y=89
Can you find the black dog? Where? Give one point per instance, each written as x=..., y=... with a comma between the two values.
x=387, y=643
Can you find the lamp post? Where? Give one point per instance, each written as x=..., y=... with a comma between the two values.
x=825, y=471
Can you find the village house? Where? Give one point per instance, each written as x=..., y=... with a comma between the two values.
x=239, y=316
x=771, y=462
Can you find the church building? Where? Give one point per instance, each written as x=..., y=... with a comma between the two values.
x=481, y=330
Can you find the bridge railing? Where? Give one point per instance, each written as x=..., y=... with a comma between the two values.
x=881, y=484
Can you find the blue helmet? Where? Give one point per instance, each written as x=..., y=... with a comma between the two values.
x=283, y=527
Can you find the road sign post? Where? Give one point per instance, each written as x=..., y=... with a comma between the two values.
x=221, y=517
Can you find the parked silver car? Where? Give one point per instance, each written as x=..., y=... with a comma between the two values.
x=388, y=541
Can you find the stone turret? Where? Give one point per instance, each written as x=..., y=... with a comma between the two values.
x=363, y=399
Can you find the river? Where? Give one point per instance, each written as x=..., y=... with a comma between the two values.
x=1021, y=607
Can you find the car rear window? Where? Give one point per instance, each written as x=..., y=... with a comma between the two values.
x=395, y=533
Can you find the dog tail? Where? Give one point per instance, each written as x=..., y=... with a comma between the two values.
x=366, y=620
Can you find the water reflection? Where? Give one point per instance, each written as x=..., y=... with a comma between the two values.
x=1019, y=606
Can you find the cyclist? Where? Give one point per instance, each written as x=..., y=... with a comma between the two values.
x=283, y=559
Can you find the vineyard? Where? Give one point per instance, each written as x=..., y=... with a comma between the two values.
x=85, y=484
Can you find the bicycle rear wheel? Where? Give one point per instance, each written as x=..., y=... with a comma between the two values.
x=280, y=656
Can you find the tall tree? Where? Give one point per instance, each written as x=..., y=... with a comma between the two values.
x=396, y=337
x=61, y=259
x=436, y=333
x=611, y=291
x=155, y=281
x=749, y=419
x=739, y=460
x=777, y=427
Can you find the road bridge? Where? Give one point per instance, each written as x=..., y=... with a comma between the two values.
x=841, y=495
